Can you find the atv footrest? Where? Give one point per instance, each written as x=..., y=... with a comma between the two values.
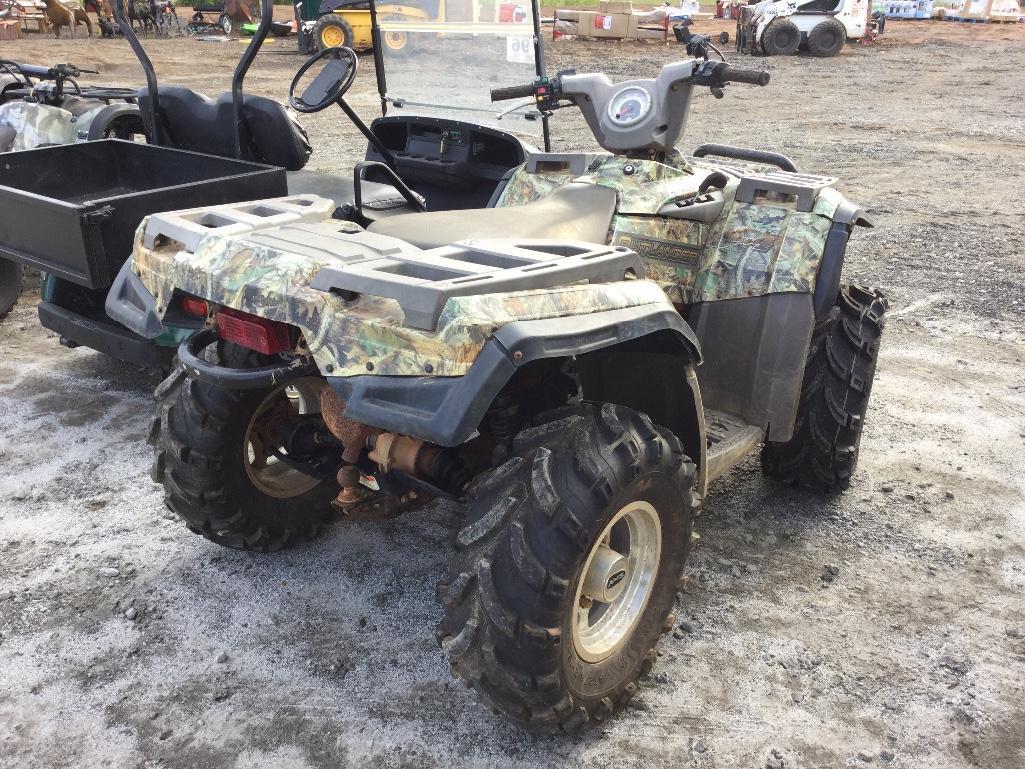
x=728, y=438
x=423, y=281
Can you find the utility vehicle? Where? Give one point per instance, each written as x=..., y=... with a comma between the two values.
x=574, y=361
x=46, y=105
x=71, y=211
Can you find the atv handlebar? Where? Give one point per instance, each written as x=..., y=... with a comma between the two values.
x=730, y=74
x=708, y=73
x=512, y=92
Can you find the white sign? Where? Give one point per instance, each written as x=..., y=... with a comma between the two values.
x=519, y=50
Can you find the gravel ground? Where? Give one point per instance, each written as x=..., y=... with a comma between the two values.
x=885, y=627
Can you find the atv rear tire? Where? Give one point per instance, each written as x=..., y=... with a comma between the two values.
x=781, y=38
x=827, y=38
x=516, y=628
x=204, y=441
x=10, y=285
x=332, y=31
x=823, y=452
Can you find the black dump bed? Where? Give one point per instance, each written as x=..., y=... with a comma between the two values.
x=72, y=210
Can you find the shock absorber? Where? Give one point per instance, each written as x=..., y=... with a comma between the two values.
x=504, y=417
x=448, y=471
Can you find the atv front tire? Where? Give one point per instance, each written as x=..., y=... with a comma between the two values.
x=568, y=567
x=213, y=463
x=10, y=285
x=781, y=38
x=823, y=452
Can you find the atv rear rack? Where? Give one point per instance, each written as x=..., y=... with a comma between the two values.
x=421, y=281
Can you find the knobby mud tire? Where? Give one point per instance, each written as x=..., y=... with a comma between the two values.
x=532, y=521
x=838, y=376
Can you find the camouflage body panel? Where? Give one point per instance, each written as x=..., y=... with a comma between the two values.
x=752, y=249
x=762, y=248
x=644, y=186
x=365, y=335
x=669, y=248
x=37, y=124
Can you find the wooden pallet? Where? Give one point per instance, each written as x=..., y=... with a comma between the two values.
x=31, y=14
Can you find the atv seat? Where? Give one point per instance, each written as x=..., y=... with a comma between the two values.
x=194, y=122
x=575, y=211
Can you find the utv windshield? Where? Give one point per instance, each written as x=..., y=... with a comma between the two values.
x=445, y=68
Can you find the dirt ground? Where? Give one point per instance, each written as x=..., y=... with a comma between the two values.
x=913, y=655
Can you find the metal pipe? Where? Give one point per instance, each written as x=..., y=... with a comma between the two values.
x=147, y=67
x=375, y=38
x=243, y=67
x=539, y=66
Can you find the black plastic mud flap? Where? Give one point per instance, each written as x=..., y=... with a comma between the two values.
x=131, y=304
x=447, y=410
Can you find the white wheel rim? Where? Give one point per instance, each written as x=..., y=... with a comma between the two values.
x=631, y=542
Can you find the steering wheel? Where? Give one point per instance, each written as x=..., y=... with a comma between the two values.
x=330, y=83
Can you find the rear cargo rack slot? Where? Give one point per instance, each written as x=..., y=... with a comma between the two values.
x=422, y=282
x=189, y=227
x=212, y=221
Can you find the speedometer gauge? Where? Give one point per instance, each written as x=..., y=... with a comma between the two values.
x=629, y=105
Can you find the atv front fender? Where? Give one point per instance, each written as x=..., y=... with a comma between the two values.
x=447, y=410
x=827, y=283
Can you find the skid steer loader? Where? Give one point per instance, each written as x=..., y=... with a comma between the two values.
x=820, y=27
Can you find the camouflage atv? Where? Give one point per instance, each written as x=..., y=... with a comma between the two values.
x=574, y=363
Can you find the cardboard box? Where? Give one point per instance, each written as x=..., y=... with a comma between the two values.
x=975, y=9
x=609, y=6
x=10, y=30
x=1005, y=10
x=643, y=28
x=569, y=14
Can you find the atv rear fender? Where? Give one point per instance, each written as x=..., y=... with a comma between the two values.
x=616, y=353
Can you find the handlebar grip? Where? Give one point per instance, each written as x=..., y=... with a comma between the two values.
x=750, y=76
x=512, y=92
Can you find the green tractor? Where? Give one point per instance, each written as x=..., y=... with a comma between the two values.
x=569, y=346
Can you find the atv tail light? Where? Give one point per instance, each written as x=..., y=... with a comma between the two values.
x=195, y=307
x=260, y=334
